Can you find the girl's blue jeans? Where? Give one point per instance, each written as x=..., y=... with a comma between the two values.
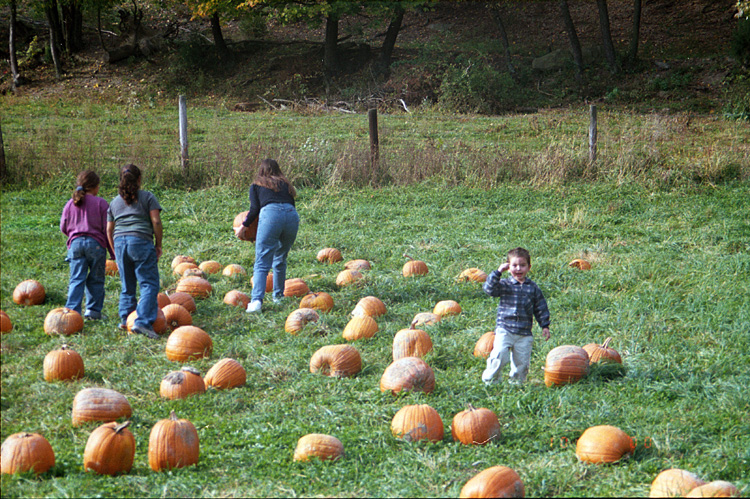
x=87, y=260
x=137, y=262
x=277, y=229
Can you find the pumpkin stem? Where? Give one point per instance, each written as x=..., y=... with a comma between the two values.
x=173, y=416
x=606, y=342
x=407, y=256
x=122, y=426
x=470, y=407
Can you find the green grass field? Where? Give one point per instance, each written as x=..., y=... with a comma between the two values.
x=669, y=282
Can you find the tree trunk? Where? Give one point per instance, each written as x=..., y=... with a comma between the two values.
x=575, y=45
x=389, y=43
x=636, y=33
x=72, y=22
x=54, y=46
x=330, y=51
x=609, y=48
x=221, y=45
x=495, y=12
x=12, y=45
x=51, y=10
x=99, y=27
x=3, y=169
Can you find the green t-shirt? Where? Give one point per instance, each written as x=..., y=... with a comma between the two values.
x=133, y=219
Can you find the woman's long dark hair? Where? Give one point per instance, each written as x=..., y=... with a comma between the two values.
x=128, y=188
x=270, y=176
x=86, y=181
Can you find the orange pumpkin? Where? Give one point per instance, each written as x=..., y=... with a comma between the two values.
x=269, y=282
x=159, y=325
x=234, y=270
x=358, y=264
x=64, y=321
x=253, y=228
x=337, y=361
x=447, y=307
x=226, y=374
x=173, y=443
x=63, y=364
x=29, y=292
x=180, y=268
x=414, y=268
x=362, y=327
x=181, y=384
x=181, y=259
x=475, y=426
x=323, y=447
x=211, y=267
x=22, y=452
x=348, y=276
x=197, y=287
x=497, y=481
x=580, y=264
x=484, y=345
x=188, y=343
x=319, y=301
x=408, y=374
x=111, y=268
x=717, y=488
x=602, y=353
x=236, y=298
x=674, y=483
x=110, y=449
x=162, y=300
x=184, y=299
x=194, y=272
x=295, y=287
x=175, y=316
x=424, y=319
x=604, y=444
x=6, y=326
x=329, y=255
x=299, y=318
x=369, y=305
x=99, y=404
x=411, y=343
x=565, y=364
x=472, y=274
x=417, y=422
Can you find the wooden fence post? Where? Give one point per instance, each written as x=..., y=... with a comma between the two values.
x=592, y=134
x=184, y=159
x=2, y=156
x=372, y=116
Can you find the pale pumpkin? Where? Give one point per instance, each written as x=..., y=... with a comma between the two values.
x=64, y=321
x=173, y=443
x=23, y=452
x=180, y=268
x=226, y=374
x=604, y=444
x=370, y=305
x=29, y=292
x=110, y=449
x=329, y=255
x=408, y=374
x=414, y=268
x=497, y=481
x=299, y=318
x=484, y=345
x=318, y=445
x=181, y=259
x=580, y=264
x=211, y=267
x=181, y=384
x=358, y=264
x=472, y=274
x=348, y=276
x=197, y=287
x=717, y=488
x=475, y=426
x=188, y=343
x=424, y=319
x=337, y=361
x=417, y=422
x=674, y=483
x=99, y=404
x=234, y=270
x=411, y=343
x=62, y=365
x=360, y=327
x=446, y=308
x=565, y=364
x=236, y=298
x=319, y=301
x=295, y=287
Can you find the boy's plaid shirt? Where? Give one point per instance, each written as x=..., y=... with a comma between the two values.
x=519, y=303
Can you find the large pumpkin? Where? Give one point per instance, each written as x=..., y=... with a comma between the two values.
x=110, y=449
x=497, y=481
x=360, y=327
x=299, y=318
x=29, y=292
x=236, y=298
x=414, y=268
x=417, y=422
x=348, y=276
x=358, y=264
x=64, y=321
x=674, y=483
x=329, y=255
x=319, y=301
x=411, y=343
x=181, y=384
x=197, y=287
x=176, y=315
x=6, y=326
x=226, y=374
x=604, y=444
x=22, y=452
x=234, y=270
x=337, y=361
x=188, y=343
x=253, y=227
x=63, y=364
x=472, y=274
x=602, y=353
x=159, y=325
x=565, y=364
x=717, y=488
x=99, y=404
x=295, y=287
x=211, y=267
x=408, y=374
x=173, y=443
x=475, y=426
x=184, y=299
x=484, y=345
x=447, y=307
x=370, y=305
x=321, y=446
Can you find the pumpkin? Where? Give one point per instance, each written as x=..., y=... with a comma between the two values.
x=180, y=268
x=173, y=443
x=603, y=444
x=319, y=301
x=299, y=318
x=417, y=422
x=475, y=426
x=414, y=267
x=472, y=274
x=159, y=325
x=295, y=287
x=424, y=319
x=447, y=307
x=197, y=287
x=111, y=268
x=63, y=321
x=236, y=298
x=99, y=404
x=184, y=299
x=674, y=483
x=411, y=343
x=233, y=270
x=176, y=315
x=565, y=364
x=348, y=276
x=226, y=374
x=211, y=267
x=602, y=353
x=408, y=374
x=253, y=228
x=497, y=481
x=484, y=345
x=324, y=447
x=329, y=255
x=188, y=343
x=580, y=264
x=358, y=264
x=361, y=327
x=22, y=452
x=162, y=300
x=194, y=272
x=181, y=259
x=369, y=305
x=29, y=292
x=269, y=282
x=63, y=364
x=110, y=449
x=337, y=361
x=6, y=326
x=181, y=384
x=717, y=488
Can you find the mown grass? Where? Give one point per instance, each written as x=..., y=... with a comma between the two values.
x=669, y=283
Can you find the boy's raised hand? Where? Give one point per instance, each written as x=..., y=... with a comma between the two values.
x=502, y=268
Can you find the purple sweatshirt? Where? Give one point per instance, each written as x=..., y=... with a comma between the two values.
x=89, y=219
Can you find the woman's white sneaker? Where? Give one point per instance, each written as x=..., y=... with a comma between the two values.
x=254, y=306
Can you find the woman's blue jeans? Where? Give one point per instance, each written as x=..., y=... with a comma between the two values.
x=87, y=261
x=277, y=229
x=138, y=265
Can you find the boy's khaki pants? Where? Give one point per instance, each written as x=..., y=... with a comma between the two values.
x=513, y=347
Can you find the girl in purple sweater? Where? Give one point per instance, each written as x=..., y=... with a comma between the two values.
x=84, y=221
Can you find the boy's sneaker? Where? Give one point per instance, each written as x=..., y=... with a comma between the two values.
x=94, y=316
x=254, y=306
x=146, y=331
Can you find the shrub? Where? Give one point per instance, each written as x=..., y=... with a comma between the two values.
x=475, y=86
x=741, y=42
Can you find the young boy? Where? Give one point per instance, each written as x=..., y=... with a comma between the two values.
x=520, y=300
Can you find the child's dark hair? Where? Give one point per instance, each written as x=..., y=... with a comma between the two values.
x=128, y=188
x=520, y=253
x=86, y=181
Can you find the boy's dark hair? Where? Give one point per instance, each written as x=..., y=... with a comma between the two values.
x=520, y=253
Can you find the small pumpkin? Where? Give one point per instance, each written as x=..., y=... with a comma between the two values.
x=497, y=481
x=226, y=374
x=717, y=488
x=194, y=272
x=181, y=384
x=269, y=282
x=236, y=298
x=329, y=255
x=110, y=449
x=175, y=316
x=424, y=319
x=188, y=343
x=253, y=228
x=29, y=292
x=62, y=365
x=348, y=276
x=159, y=325
x=64, y=321
x=181, y=268
x=475, y=426
x=181, y=259
x=234, y=270
x=162, y=300
x=417, y=422
x=411, y=343
x=602, y=353
x=472, y=274
x=361, y=327
x=358, y=264
x=414, y=268
x=6, y=326
x=369, y=305
x=197, y=287
x=111, y=268
x=604, y=444
x=295, y=287
x=580, y=264
x=99, y=404
x=445, y=308
x=674, y=483
x=337, y=361
x=184, y=299
x=299, y=318
x=408, y=374
x=22, y=452
x=173, y=443
x=565, y=364
x=324, y=447
x=211, y=267
x=484, y=345
x=319, y=301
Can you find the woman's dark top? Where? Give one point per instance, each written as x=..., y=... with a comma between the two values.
x=261, y=196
